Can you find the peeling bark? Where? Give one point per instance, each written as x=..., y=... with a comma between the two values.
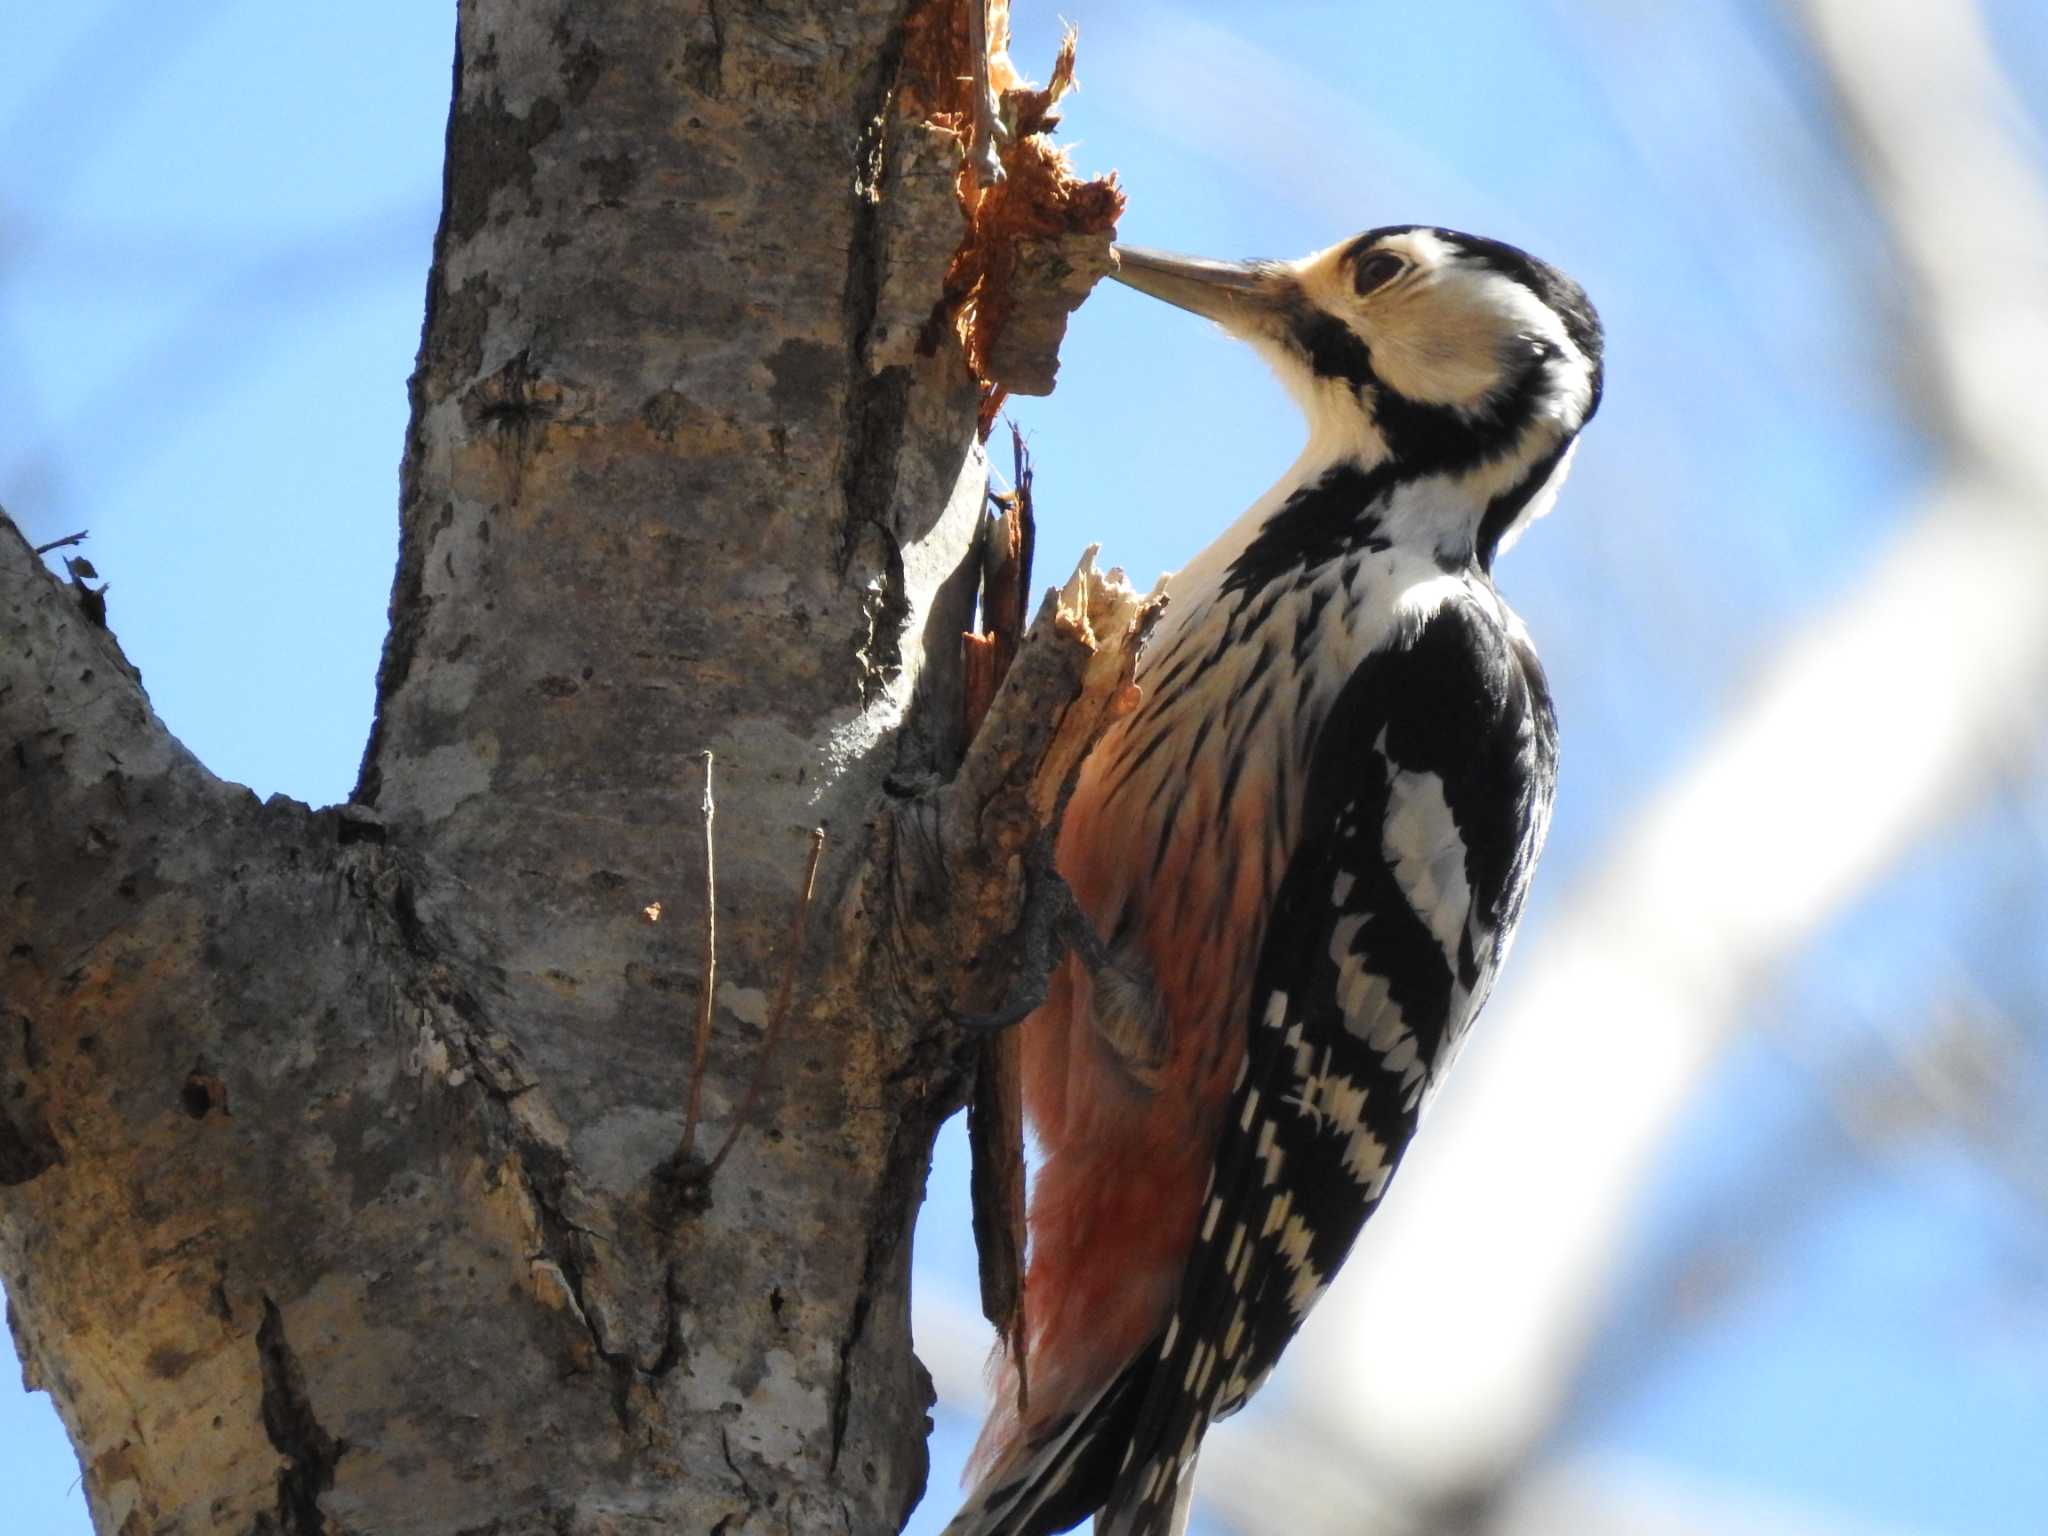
x=337, y=1187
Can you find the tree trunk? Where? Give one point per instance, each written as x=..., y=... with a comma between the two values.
x=343, y=1184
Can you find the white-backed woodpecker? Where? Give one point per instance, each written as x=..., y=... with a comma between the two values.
x=1305, y=852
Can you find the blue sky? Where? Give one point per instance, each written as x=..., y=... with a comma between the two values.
x=215, y=223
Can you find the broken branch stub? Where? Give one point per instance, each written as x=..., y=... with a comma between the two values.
x=949, y=864
x=995, y=1111
x=960, y=875
x=1102, y=613
x=1072, y=677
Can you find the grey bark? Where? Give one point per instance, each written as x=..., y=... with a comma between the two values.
x=340, y=1186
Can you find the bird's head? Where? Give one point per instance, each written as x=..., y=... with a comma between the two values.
x=1431, y=352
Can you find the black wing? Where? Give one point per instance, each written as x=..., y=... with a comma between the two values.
x=1426, y=806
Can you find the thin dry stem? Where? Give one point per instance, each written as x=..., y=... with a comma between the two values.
x=703, y=1050
x=798, y=928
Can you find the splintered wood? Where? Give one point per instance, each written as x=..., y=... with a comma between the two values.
x=1038, y=235
x=1097, y=620
x=1007, y=541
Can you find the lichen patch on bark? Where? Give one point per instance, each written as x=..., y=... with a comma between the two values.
x=490, y=148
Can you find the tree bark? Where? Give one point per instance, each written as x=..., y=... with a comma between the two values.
x=342, y=1185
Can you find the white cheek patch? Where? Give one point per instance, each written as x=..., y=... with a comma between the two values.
x=1445, y=344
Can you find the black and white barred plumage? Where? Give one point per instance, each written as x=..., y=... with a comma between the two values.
x=1307, y=849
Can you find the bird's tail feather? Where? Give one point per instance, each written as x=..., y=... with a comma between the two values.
x=1154, y=1516
x=1064, y=1471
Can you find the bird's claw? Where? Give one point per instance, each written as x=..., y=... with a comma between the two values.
x=1053, y=927
x=1013, y=1010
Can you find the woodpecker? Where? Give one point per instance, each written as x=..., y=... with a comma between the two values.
x=1304, y=852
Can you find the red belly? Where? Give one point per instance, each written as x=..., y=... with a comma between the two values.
x=1126, y=1154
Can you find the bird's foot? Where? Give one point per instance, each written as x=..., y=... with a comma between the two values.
x=1053, y=927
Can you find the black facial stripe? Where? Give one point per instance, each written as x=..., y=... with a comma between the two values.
x=1438, y=439
x=1333, y=349
x=1501, y=512
x=1425, y=439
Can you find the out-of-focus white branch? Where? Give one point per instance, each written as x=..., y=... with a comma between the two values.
x=1943, y=141
x=1610, y=1497
x=1452, y=1338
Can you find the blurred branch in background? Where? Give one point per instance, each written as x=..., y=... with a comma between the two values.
x=1436, y=1372
x=1961, y=1078
x=1944, y=146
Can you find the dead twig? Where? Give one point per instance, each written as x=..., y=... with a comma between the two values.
x=995, y=1113
x=708, y=999
x=70, y=538
x=798, y=928
x=1006, y=549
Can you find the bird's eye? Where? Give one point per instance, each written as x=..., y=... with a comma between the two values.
x=1377, y=270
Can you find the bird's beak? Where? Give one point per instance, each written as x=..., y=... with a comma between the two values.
x=1232, y=293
